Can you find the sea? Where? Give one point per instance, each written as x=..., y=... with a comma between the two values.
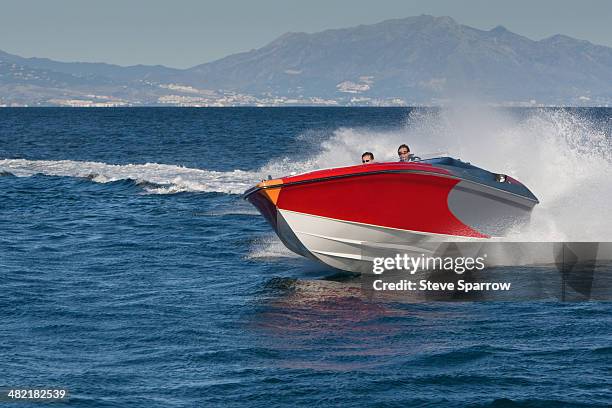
x=133, y=274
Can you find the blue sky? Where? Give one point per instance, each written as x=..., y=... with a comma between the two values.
x=183, y=33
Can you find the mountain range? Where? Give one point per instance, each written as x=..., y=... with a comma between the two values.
x=421, y=60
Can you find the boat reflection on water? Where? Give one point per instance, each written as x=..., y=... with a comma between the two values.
x=331, y=324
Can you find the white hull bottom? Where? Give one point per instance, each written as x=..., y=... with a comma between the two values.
x=352, y=246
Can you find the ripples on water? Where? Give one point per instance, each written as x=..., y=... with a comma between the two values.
x=151, y=285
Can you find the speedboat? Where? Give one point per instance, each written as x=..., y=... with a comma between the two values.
x=347, y=216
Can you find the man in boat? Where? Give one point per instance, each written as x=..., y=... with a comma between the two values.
x=367, y=158
x=404, y=154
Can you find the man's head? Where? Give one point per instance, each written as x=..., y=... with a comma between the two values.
x=367, y=157
x=403, y=152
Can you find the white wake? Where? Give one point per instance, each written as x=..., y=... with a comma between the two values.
x=156, y=178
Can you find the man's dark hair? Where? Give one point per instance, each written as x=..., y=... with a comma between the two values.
x=368, y=154
x=403, y=145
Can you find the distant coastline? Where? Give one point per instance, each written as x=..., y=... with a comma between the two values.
x=415, y=61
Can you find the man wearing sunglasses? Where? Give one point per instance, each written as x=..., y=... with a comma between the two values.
x=367, y=158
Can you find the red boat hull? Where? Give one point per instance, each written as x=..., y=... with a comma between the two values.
x=347, y=215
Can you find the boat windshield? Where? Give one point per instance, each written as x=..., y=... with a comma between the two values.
x=448, y=161
x=429, y=156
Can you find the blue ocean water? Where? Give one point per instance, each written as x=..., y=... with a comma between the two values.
x=134, y=275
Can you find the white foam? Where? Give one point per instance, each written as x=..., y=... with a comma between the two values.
x=166, y=179
x=269, y=247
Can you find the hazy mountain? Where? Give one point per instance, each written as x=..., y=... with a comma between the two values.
x=420, y=59
x=41, y=81
x=95, y=70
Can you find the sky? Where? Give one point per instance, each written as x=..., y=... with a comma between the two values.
x=184, y=33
